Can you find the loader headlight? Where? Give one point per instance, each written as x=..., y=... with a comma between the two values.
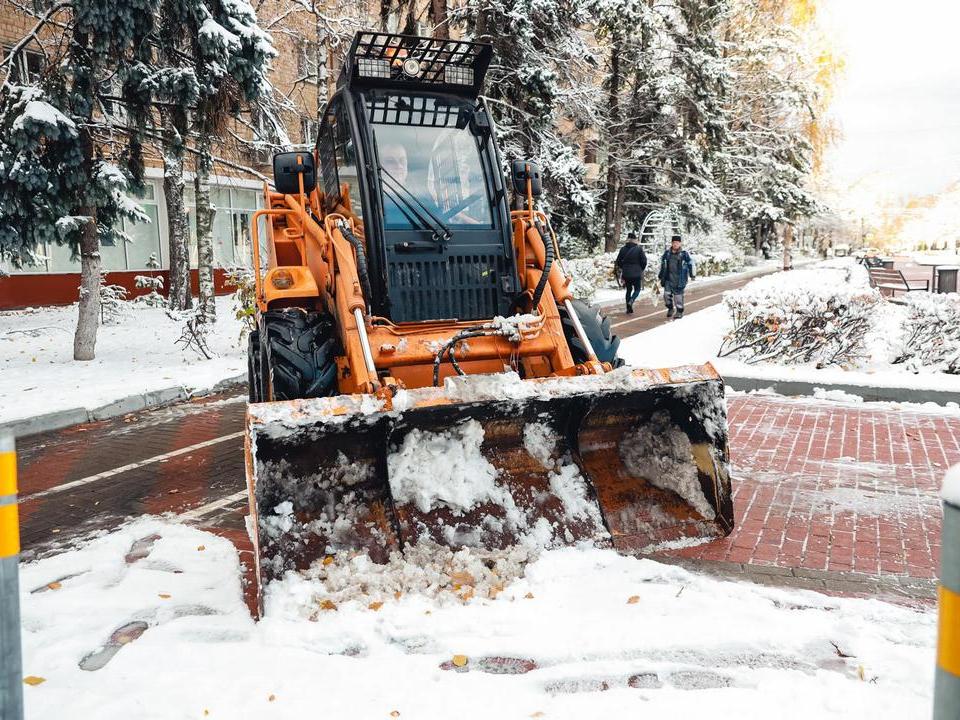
x=282, y=279
x=411, y=67
x=457, y=75
x=371, y=67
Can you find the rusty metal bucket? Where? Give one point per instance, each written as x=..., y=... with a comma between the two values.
x=636, y=459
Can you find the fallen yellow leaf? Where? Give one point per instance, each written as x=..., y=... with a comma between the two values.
x=861, y=673
x=633, y=600
x=462, y=578
x=397, y=595
x=165, y=596
x=460, y=660
x=328, y=560
x=201, y=548
x=328, y=605
x=54, y=585
x=375, y=605
x=34, y=679
x=528, y=596
x=206, y=712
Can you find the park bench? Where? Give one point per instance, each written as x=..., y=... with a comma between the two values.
x=893, y=280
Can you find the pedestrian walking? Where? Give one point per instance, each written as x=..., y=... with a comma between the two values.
x=629, y=266
x=676, y=269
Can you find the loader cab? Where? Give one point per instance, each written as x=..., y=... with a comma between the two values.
x=409, y=147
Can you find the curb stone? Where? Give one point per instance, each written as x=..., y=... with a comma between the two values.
x=132, y=403
x=870, y=393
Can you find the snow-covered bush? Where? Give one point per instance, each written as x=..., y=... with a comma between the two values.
x=931, y=333
x=589, y=274
x=113, y=301
x=244, y=297
x=817, y=316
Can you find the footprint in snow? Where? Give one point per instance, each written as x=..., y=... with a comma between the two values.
x=130, y=631
x=55, y=584
x=494, y=665
x=140, y=549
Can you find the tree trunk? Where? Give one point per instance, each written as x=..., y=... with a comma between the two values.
x=618, y=211
x=207, y=303
x=788, y=247
x=614, y=189
x=438, y=16
x=85, y=338
x=611, y=238
x=174, y=130
x=323, y=59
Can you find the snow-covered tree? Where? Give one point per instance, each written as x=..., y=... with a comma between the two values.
x=702, y=79
x=539, y=87
x=767, y=158
x=231, y=55
x=60, y=175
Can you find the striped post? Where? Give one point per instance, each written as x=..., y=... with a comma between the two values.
x=946, y=694
x=11, y=664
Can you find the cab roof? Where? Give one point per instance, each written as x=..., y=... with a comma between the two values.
x=410, y=62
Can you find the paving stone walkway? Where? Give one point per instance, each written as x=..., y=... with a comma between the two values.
x=835, y=496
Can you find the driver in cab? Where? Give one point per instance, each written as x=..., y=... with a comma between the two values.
x=393, y=160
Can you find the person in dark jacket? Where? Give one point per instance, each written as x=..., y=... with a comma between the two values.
x=676, y=269
x=630, y=263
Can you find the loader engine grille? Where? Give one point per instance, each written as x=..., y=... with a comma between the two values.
x=465, y=287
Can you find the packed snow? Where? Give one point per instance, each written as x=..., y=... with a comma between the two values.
x=156, y=617
x=660, y=452
x=951, y=486
x=136, y=354
x=448, y=468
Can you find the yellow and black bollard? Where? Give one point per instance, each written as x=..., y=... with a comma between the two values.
x=946, y=694
x=11, y=663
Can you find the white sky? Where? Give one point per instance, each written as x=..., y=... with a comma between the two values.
x=899, y=103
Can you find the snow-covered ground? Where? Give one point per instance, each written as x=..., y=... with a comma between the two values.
x=148, y=622
x=697, y=338
x=138, y=354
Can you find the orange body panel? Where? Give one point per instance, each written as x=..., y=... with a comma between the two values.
x=312, y=265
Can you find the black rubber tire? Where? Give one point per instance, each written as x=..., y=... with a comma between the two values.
x=299, y=354
x=254, y=362
x=605, y=343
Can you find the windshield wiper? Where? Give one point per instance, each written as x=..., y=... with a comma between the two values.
x=427, y=219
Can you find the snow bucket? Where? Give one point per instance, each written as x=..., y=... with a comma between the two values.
x=635, y=459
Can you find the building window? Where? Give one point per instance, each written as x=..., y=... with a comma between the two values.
x=232, y=236
x=308, y=130
x=307, y=66
x=26, y=67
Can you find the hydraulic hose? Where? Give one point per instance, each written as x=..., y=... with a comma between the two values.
x=361, y=261
x=466, y=334
x=547, y=264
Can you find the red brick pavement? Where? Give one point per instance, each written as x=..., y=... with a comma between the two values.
x=825, y=486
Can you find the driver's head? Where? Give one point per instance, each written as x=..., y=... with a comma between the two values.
x=393, y=159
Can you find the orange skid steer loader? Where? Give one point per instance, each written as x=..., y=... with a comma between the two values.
x=420, y=369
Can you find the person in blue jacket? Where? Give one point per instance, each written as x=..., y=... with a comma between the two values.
x=676, y=270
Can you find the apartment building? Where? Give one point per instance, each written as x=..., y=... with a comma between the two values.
x=236, y=194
